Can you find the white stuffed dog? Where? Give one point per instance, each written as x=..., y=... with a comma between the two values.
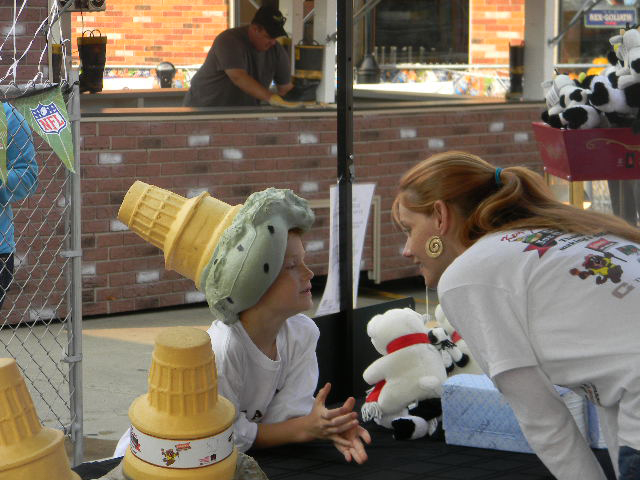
x=410, y=371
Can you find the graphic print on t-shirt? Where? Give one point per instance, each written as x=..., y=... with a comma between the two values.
x=256, y=416
x=600, y=266
x=541, y=241
x=605, y=266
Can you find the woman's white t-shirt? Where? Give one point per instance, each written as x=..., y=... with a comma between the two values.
x=568, y=304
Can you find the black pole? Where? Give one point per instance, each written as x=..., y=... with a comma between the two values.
x=345, y=149
x=344, y=100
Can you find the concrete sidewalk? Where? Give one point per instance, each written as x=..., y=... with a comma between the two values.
x=117, y=357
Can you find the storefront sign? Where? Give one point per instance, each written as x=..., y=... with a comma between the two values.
x=610, y=18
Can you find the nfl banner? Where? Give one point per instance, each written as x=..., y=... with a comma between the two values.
x=47, y=115
x=3, y=145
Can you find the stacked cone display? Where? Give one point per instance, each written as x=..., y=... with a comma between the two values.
x=187, y=230
x=181, y=429
x=27, y=450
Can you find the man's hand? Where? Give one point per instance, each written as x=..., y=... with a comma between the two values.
x=277, y=101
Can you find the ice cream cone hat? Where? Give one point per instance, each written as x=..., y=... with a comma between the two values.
x=181, y=428
x=28, y=451
x=232, y=253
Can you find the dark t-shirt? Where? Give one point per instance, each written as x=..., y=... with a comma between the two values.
x=211, y=86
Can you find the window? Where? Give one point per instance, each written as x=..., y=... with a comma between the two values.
x=422, y=31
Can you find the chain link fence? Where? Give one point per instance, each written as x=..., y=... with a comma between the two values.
x=36, y=256
x=40, y=262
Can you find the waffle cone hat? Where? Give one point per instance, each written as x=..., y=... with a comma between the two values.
x=232, y=253
x=181, y=428
x=27, y=450
x=186, y=230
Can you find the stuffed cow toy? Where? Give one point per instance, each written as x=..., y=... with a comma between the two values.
x=409, y=374
x=449, y=342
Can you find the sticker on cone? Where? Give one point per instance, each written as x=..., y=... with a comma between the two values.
x=164, y=452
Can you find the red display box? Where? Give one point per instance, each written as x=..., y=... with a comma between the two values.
x=593, y=154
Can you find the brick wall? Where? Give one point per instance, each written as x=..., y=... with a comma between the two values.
x=231, y=158
x=495, y=23
x=147, y=32
x=27, y=24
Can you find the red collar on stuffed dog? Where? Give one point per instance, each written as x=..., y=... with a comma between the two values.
x=393, y=346
x=407, y=341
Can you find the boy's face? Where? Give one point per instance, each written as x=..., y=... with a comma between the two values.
x=290, y=293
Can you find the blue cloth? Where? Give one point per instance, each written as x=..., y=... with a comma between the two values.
x=22, y=171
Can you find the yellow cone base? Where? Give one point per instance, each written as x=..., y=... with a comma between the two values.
x=135, y=469
x=27, y=451
x=50, y=462
x=182, y=403
x=187, y=230
x=182, y=400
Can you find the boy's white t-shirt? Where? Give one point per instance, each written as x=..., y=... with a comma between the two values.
x=264, y=390
x=566, y=303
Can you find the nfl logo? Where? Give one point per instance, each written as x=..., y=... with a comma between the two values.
x=49, y=118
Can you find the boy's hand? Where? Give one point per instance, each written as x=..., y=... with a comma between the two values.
x=324, y=423
x=357, y=435
x=340, y=425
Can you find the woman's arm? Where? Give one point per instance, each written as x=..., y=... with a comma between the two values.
x=548, y=425
x=22, y=168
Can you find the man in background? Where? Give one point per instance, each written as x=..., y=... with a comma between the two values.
x=241, y=65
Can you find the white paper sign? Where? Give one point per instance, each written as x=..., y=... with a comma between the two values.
x=361, y=197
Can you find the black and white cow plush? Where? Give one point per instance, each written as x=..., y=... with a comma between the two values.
x=568, y=105
x=619, y=96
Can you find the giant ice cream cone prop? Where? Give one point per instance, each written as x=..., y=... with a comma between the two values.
x=233, y=253
x=187, y=230
x=27, y=450
x=182, y=428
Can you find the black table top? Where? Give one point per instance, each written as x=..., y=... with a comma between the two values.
x=427, y=458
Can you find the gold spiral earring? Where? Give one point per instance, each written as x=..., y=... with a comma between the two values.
x=434, y=246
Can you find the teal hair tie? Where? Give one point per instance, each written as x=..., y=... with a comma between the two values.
x=498, y=179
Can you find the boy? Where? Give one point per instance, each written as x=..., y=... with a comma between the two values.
x=267, y=368
x=256, y=283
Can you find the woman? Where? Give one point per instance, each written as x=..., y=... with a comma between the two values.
x=543, y=293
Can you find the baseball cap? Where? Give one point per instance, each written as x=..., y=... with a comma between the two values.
x=271, y=20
